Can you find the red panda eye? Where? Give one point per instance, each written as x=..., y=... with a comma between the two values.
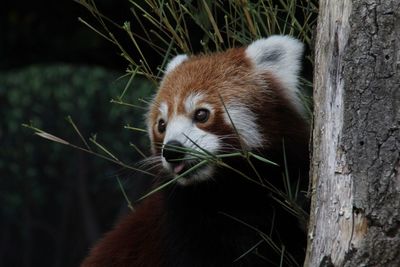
x=201, y=115
x=161, y=126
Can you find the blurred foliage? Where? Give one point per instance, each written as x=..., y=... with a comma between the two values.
x=51, y=195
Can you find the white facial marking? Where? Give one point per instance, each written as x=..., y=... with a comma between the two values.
x=191, y=102
x=281, y=55
x=163, y=108
x=175, y=106
x=183, y=130
x=245, y=123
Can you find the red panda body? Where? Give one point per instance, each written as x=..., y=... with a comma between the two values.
x=221, y=213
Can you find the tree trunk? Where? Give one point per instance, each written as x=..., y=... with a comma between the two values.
x=355, y=213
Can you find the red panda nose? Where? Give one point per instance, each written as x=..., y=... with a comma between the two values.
x=173, y=151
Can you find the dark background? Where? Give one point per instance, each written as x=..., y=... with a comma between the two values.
x=55, y=200
x=49, y=32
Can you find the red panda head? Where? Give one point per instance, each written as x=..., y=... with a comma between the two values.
x=211, y=104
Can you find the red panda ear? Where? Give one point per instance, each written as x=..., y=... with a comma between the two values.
x=177, y=60
x=280, y=55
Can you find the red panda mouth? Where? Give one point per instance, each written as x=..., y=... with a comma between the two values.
x=183, y=167
x=190, y=172
x=178, y=168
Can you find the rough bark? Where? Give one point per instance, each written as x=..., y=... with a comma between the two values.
x=355, y=213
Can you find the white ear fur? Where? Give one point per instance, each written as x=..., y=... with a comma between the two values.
x=281, y=55
x=177, y=60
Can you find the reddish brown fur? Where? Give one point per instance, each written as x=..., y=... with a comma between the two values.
x=281, y=121
x=230, y=75
x=135, y=241
x=207, y=75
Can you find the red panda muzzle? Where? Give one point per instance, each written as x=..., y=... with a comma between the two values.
x=172, y=151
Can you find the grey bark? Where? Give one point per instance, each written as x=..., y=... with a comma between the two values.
x=355, y=213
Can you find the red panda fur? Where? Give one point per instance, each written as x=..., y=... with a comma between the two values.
x=212, y=223
x=135, y=240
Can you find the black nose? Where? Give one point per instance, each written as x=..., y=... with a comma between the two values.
x=172, y=151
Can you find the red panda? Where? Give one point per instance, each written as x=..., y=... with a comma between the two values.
x=243, y=99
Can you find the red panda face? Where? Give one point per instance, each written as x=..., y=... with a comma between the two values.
x=211, y=104
x=187, y=134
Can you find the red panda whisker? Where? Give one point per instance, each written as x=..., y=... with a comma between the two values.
x=150, y=164
x=148, y=161
x=156, y=166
